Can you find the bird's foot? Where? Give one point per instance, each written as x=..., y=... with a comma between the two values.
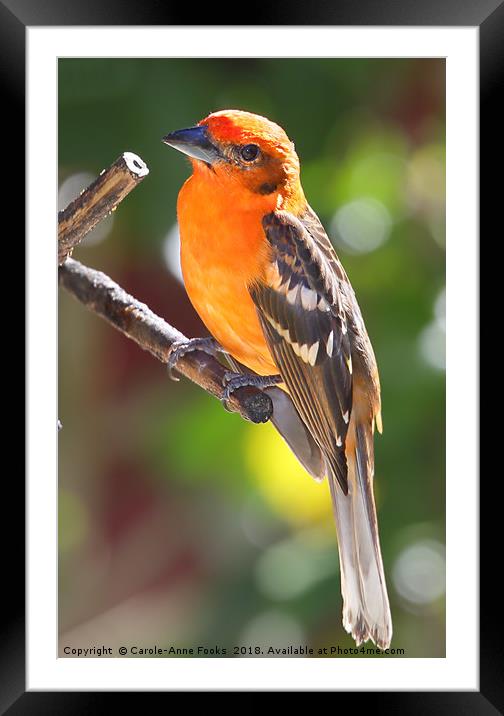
x=207, y=345
x=233, y=381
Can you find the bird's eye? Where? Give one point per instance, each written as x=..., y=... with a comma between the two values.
x=249, y=152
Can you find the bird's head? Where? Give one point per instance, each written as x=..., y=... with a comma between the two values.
x=234, y=146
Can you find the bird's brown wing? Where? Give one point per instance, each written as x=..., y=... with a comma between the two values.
x=300, y=307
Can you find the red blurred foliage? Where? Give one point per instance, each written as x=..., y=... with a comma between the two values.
x=126, y=498
x=422, y=97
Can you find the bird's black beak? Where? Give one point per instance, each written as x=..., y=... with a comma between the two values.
x=194, y=142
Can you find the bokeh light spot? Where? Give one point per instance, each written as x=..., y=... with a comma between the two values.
x=274, y=629
x=432, y=340
x=292, y=566
x=433, y=346
x=419, y=572
x=361, y=225
x=260, y=526
x=171, y=252
x=440, y=309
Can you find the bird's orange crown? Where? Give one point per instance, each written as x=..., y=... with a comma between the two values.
x=234, y=126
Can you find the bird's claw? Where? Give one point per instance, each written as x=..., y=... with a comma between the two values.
x=180, y=348
x=232, y=381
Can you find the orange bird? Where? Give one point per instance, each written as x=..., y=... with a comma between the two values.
x=263, y=276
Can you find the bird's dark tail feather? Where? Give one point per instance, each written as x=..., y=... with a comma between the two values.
x=366, y=610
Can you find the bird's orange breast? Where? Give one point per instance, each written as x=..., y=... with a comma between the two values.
x=223, y=250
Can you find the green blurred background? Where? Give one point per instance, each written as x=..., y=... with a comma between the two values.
x=181, y=524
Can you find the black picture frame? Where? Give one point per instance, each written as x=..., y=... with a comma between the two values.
x=15, y=17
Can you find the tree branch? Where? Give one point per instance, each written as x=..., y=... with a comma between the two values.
x=98, y=200
x=100, y=294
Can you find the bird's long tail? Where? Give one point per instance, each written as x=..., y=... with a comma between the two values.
x=366, y=610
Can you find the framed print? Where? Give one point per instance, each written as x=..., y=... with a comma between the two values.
x=163, y=533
